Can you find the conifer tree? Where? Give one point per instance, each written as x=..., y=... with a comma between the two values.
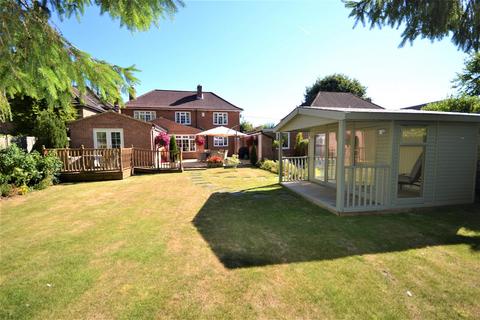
x=431, y=19
x=37, y=61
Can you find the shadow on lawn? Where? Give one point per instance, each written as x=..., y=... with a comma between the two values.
x=262, y=227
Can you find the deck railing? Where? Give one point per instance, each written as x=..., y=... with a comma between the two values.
x=156, y=159
x=366, y=186
x=116, y=159
x=88, y=159
x=294, y=168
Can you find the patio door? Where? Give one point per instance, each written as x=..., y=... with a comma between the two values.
x=325, y=156
x=320, y=157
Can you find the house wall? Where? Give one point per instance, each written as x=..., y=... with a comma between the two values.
x=135, y=132
x=456, y=163
x=202, y=120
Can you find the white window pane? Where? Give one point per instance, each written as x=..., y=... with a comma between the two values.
x=101, y=137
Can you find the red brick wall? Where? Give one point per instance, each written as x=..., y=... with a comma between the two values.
x=134, y=132
x=200, y=119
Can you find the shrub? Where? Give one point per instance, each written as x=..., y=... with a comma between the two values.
x=243, y=153
x=253, y=155
x=50, y=130
x=232, y=161
x=24, y=170
x=269, y=165
x=301, y=145
x=6, y=190
x=173, y=148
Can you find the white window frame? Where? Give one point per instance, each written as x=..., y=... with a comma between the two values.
x=223, y=140
x=220, y=115
x=288, y=139
x=192, y=145
x=179, y=114
x=142, y=115
x=108, y=132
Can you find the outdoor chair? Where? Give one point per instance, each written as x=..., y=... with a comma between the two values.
x=413, y=178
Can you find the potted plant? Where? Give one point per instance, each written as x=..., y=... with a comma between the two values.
x=232, y=162
x=214, y=162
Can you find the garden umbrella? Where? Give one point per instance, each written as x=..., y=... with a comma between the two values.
x=223, y=132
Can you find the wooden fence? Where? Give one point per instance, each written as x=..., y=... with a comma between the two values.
x=117, y=159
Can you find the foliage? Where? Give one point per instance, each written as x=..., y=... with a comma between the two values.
x=336, y=82
x=24, y=170
x=246, y=126
x=214, y=161
x=243, y=153
x=269, y=165
x=468, y=82
x=267, y=126
x=36, y=60
x=162, y=139
x=431, y=19
x=253, y=155
x=232, y=161
x=199, y=140
x=6, y=190
x=50, y=130
x=173, y=148
x=463, y=103
x=301, y=145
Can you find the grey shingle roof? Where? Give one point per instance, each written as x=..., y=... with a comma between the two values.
x=170, y=99
x=342, y=100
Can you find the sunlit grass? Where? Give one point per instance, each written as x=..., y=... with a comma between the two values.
x=228, y=243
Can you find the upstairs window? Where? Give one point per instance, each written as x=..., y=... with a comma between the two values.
x=145, y=115
x=220, y=118
x=183, y=117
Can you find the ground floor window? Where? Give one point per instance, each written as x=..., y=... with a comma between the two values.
x=107, y=138
x=186, y=143
x=220, y=141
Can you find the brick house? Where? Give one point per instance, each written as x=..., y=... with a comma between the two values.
x=197, y=110
x=112, y=130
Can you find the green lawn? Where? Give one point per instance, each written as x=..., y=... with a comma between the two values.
x=228, y=244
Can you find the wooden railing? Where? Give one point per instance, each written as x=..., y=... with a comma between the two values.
x=118, y=159
x=294, y=169
x=88, y=159
x=156, y=159
x=366, y=187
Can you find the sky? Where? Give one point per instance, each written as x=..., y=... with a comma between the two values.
x=260, y=55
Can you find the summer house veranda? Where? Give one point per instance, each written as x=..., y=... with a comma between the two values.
x=369, y=160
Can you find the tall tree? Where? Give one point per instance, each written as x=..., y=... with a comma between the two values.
x=37, y=61
x=468, y=81
x=336, y=82
x=431, y=19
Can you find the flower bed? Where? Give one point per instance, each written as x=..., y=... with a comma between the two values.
x=214, y=162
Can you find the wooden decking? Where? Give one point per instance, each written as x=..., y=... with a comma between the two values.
x=322, y=196
x=89, y=164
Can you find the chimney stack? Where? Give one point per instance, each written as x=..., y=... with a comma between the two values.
x=199, y=92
